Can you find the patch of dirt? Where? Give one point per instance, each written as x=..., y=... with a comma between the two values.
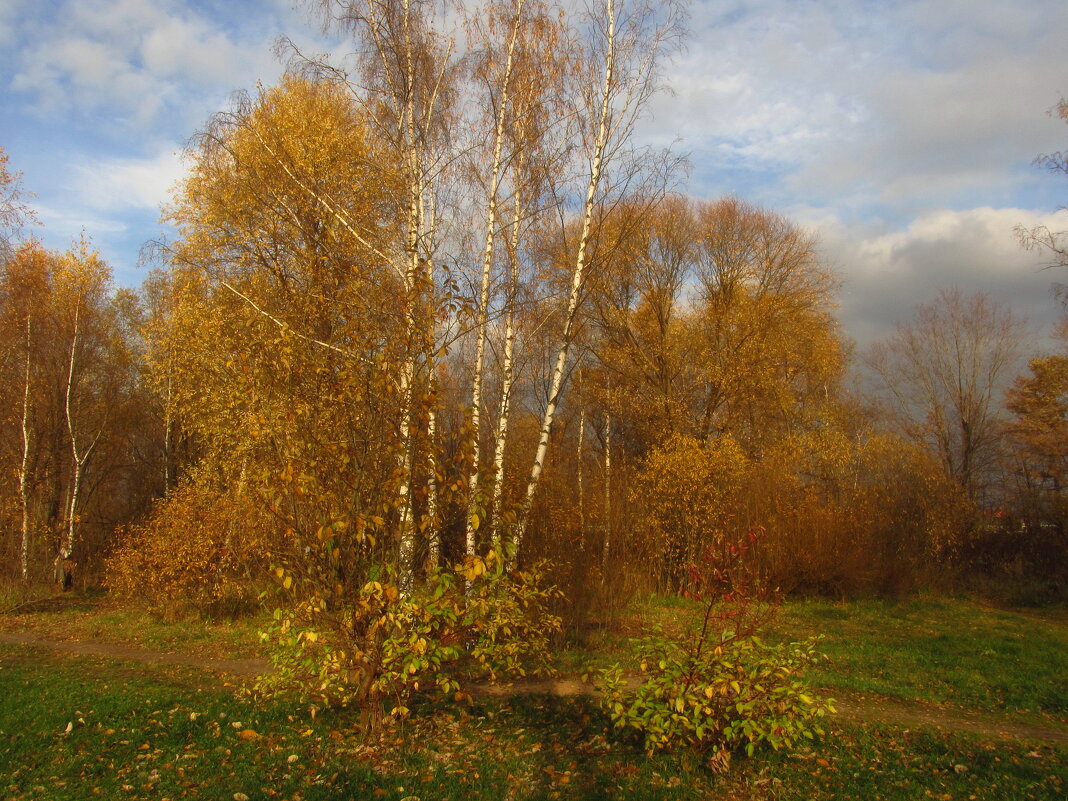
x=913, y=714
x=238, y=667
x=853, y=708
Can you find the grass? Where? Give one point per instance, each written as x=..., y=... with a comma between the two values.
x=154, y=732
x=138, y=733
x=944, y=651
x=95, y=618
x=940, y=650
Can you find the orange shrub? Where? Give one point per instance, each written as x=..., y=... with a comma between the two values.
x=201, y=551
x=844, y=516
x=686, y=497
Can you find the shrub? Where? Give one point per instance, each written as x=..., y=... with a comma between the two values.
x=688, y=491
x=201, y=551
x=730, y=691
x=719, y=687
x=848, y=516
x=384, y=644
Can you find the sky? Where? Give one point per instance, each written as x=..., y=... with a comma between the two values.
x=901, y=134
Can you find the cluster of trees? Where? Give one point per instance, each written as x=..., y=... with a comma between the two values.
x=433, y=303
x=76, y=420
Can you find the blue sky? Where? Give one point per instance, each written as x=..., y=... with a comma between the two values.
x=901, y=133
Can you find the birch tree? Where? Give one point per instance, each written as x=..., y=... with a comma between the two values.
x=502, y=111
x=24, y=287
x=82, y=287
x=622, y=50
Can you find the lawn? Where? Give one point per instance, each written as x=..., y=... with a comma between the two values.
x=944, y=651
x=89, y=728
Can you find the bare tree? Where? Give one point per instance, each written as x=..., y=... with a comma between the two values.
x=943, y=374
x=1041, y=237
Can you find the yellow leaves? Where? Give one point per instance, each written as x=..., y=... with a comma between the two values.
x=473, y=567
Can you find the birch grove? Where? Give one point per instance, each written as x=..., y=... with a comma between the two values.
x=516, y=108
x=439, y=355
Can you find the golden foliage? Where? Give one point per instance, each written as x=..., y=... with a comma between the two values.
x=200, y=552
x=688, y=492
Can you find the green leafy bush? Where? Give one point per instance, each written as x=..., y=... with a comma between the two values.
x=373, y=651
x=735, y=692
x=718, y=687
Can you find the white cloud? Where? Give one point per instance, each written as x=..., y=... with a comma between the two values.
x=136, y=63
x=63, y=225
x=120, y=184
x=886, y=108
x=887, y=273
x=10, y=11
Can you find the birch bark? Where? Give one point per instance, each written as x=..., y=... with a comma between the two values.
x=487, y=262
x=600, y=144
x=24, y=468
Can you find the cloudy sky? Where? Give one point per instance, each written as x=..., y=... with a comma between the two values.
x=902, y=133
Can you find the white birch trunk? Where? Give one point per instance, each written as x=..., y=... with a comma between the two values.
x=483, y=298
x=508, y=368
x=24, y=484
x=578, y=459
x=556, y=385
x=607, y=493
x=433, y=536
x=411, y=287
x=67, y=545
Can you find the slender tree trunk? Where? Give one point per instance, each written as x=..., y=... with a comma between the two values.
x=607, y=493
x=578, y=459
x=508, y=366
x=24, y=484
x=66, y=547
x=433, y=546
x=167, y=424
x=596, y=163
x=483, y=298
x=413, y=290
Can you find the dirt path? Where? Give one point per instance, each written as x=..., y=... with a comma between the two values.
x=237, y=667
x=861, y=709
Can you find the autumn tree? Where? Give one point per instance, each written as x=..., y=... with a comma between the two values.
x=14, y=211
x=715, y=318
x=943, y=374
x=275, y=334
x=1038, y=402
x=73, y=382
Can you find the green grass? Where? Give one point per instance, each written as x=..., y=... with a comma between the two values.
x=94, y=618
x=950, y=651
x=942, y=651
x=153, y=733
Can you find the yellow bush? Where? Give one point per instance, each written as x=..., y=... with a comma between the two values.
x=688, y=492
x=200, y=551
